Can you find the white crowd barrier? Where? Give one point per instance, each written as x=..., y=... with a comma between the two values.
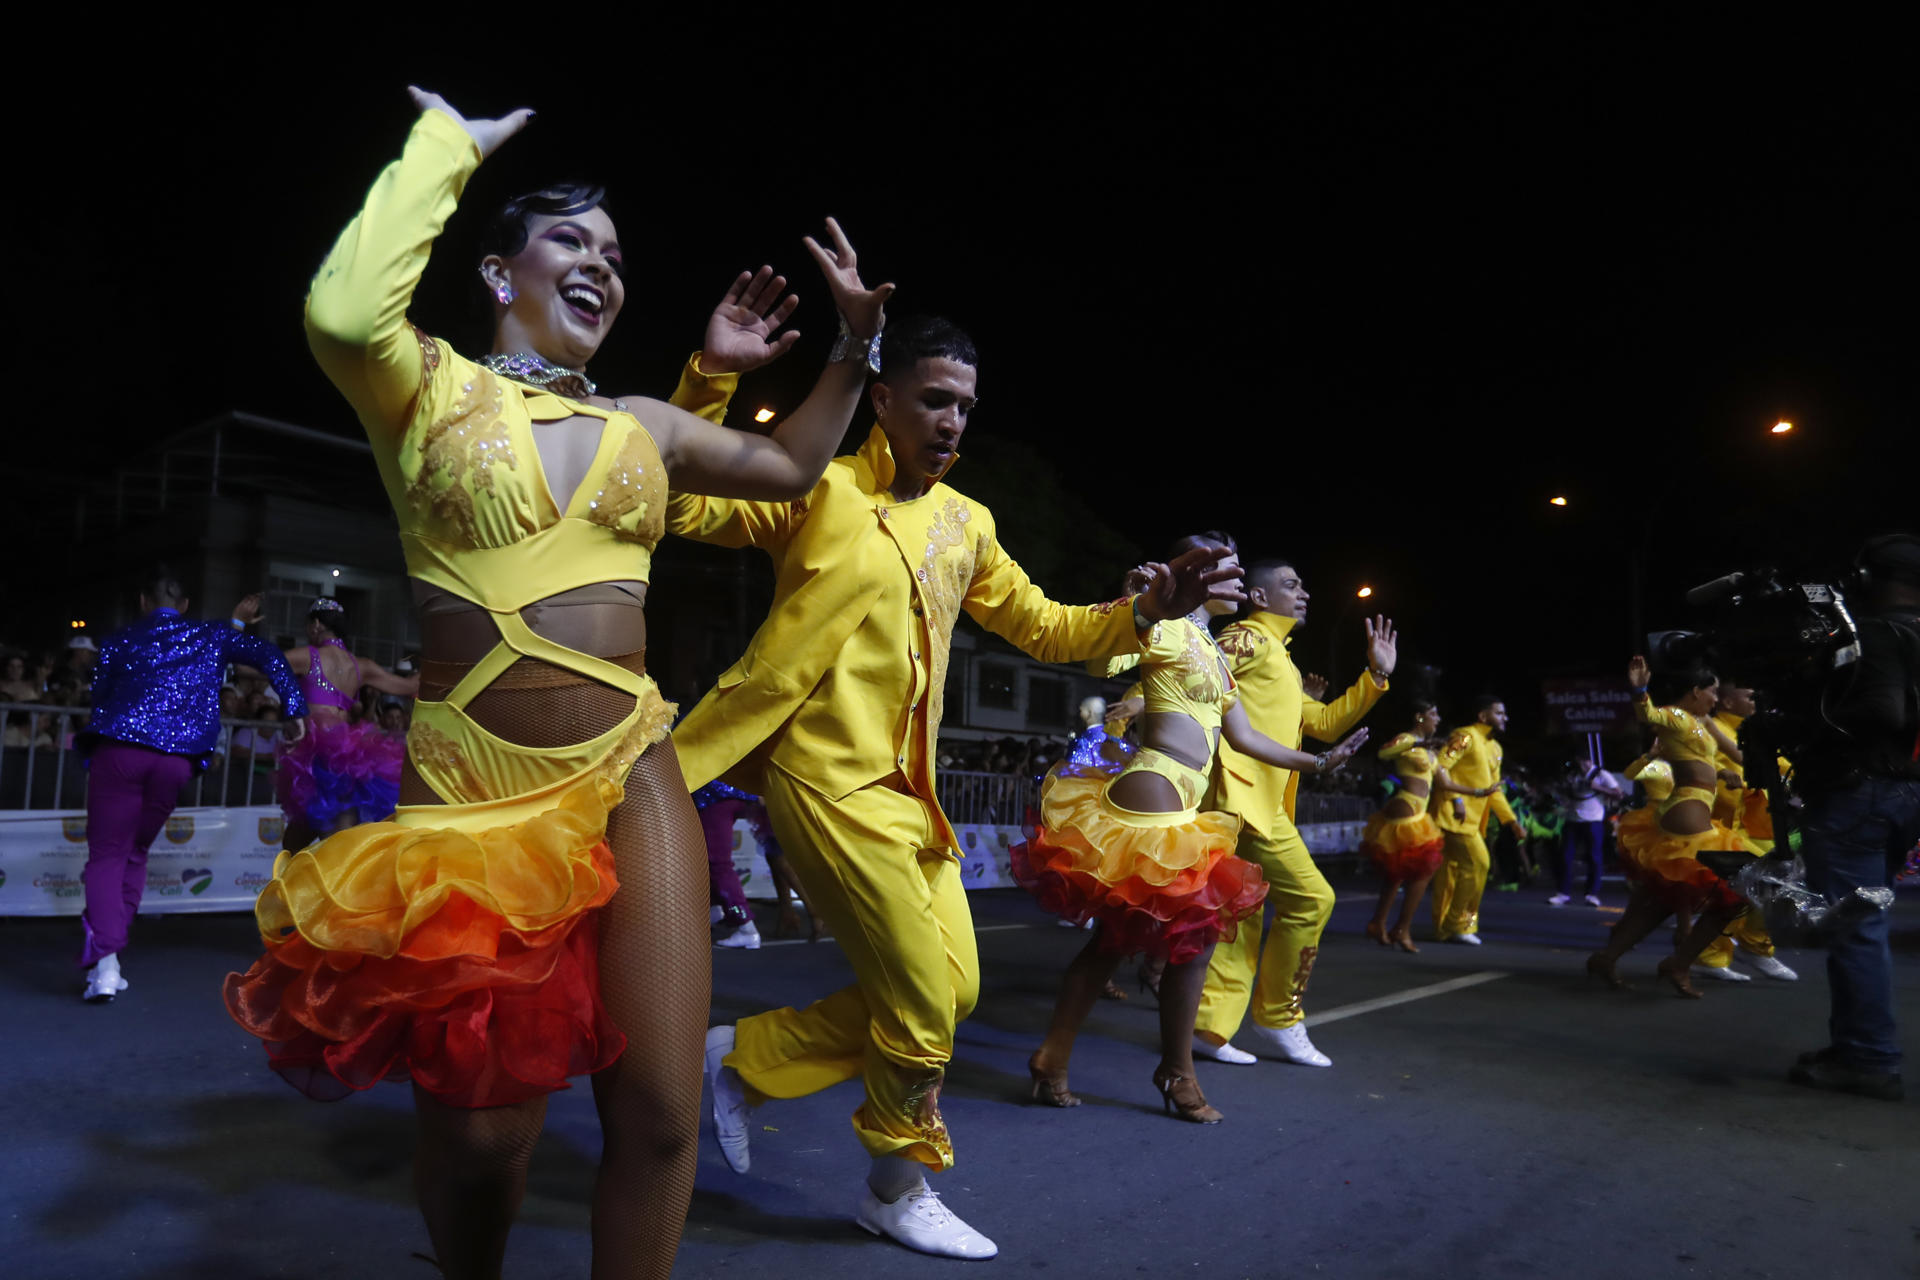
x=206, y=859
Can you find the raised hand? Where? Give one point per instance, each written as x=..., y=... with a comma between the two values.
x=295, y=729
x=1192, y=579
x=248, y=610
x=1314, y=685
x=486, y=134
x=1344, y=752
x=740, y=332
x=1382, y=647
x=1136, y=581
x=1639, y=675
x=864, y=309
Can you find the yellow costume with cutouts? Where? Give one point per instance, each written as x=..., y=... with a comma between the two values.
x=454, y=944
x=1665, y=863
x=832, y=716
x=1273, y=978
x=1732, y=807
x=1472, y=758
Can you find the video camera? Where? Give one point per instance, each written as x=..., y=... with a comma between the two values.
x=1784, y=638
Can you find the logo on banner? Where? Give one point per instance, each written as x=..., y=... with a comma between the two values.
x=271, y=829
x=74, y=829
x=252, y=881
x=197, y=880
x=180, y=829
x=59, y=885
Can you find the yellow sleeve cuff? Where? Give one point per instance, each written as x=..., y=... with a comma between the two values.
x=705, y=395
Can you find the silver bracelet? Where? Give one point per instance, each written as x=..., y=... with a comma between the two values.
x=1320, y=762
x=849, y=347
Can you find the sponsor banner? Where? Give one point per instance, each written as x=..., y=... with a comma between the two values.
x=1587, y=706
x=203, y=860
x=984, y=861
x=1325, y=838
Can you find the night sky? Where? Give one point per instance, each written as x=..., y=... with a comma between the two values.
x=1368, y=297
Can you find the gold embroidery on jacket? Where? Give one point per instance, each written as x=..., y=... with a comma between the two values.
x=944, y=580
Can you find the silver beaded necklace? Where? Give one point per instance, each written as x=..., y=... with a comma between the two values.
x=537, y=371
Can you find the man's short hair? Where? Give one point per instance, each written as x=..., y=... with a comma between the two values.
x=161, y=587
x=1894, y=556
x=905, y=343
x=1486, y=702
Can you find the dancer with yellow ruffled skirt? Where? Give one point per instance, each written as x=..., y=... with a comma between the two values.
x=1402, y=839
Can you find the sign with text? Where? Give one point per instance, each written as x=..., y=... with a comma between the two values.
x=1588, y=705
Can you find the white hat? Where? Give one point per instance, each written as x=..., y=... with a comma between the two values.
x=82, y=642
x=269, y=695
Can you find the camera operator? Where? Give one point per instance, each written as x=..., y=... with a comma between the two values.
x=1860, y=785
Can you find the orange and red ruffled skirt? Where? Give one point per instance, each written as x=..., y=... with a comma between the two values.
x=465, y=962
x=1403, y=848
x=1161, y=884
x=1668, y=865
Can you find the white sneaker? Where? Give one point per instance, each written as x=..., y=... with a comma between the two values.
x=1727, y=974
x=730, y=1110
x=104, y=981
x=1593, y=899
x=919, y=1221
x=1770, y=966
x=747, y=936
x=1466, y=939
x=1204, y=1048
x=1290, y=1043
x=1559, y=900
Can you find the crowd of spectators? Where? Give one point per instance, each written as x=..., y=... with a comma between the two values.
x=1031, y=756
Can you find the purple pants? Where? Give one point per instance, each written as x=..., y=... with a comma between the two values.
x=132, y=791
x=716, y=823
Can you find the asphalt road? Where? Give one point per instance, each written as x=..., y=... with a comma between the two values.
x=1525, y=1125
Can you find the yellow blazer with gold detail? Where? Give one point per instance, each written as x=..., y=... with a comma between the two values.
x=842, y=685
x=1256, y=650
x=1472, y=759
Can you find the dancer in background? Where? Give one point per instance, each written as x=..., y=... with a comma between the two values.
x=832, y=716
x=155, y=723
x=1586, y=827
x=1733, y=807
x=345, y=771
x=533, y=911
x=722, y=806
x=1468, y=767
x=1272, y=979
x=1661, y=842
x=1401, y=838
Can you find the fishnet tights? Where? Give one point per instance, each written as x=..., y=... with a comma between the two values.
x=655, y=979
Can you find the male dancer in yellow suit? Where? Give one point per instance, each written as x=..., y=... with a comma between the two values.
x=831, y=716
x=1469, y=766
x=1735, y=806
x=1263, y=796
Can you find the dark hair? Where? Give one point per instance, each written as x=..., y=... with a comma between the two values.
x=1423, y=705
x=333, y=615
x=905, y=343
x=1892, y=555
x=161, y=587
x=1486, y=701
x=1208, y=538
x=507, y=230
x=1264, y=568
x=1678, y=684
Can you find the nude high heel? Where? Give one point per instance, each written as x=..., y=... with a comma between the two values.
x=1050, y=1087
x=1183, y=1098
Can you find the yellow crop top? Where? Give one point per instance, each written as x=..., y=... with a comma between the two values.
x=1415, y=760
x=454, y=444
x=1682, y=737
x=1181, y=669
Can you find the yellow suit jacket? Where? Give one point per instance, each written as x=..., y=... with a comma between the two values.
x=843, y=684
x=1472, y=759
x=1256, y=650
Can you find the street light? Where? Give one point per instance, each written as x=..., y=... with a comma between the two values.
x=1781, y=427
x=765, y=415
x=1364, y=592
x=1558, y=502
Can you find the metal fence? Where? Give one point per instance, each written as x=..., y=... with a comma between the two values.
x=1313, y=807
x=40, y=768
x=997, y=798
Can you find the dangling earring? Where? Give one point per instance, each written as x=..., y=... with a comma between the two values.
x=505, y=294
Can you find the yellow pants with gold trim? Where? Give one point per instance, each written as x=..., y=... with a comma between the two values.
x=899, y=912
x=1748, y=931
x=1274, y=977
x=1458, y=884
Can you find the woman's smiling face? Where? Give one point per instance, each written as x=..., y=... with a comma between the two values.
x=567, y=287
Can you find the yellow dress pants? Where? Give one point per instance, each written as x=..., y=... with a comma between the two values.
x=899, y=912
x=1458, y=884
x=1302, y=902
x=1748, y=930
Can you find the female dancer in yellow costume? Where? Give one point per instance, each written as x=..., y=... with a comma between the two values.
x=1660, y=843
x=1125, y=844
x=1402, y=839
x=536, y=909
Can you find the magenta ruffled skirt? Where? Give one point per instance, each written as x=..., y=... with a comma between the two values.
x=338, y=767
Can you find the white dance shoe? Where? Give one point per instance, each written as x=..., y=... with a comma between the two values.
x=1772, y=968
x=1204, y=1048
x=1725, y=974
x=746, y=937
x=1466, y=939
x=919, y=1221
x=730, y=1110
x=104, y=981
x=1290, y=1043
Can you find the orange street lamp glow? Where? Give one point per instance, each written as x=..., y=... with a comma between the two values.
x=765, y=415
x=1365, y=592
x=1558, y=502
x=1781, y=427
